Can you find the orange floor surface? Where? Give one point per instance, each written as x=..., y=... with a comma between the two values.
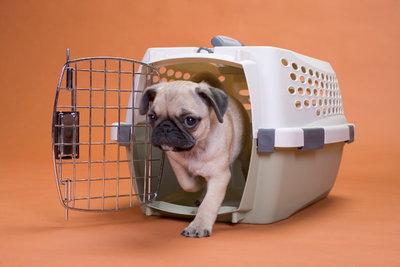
x=358, y=224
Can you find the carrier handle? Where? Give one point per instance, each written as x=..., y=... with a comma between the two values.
x=220, y=40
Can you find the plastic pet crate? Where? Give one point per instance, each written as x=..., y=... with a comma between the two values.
x=104, y=159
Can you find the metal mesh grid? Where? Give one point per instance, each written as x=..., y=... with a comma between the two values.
x=94, y=172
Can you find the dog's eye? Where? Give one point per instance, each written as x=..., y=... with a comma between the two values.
x=190, y=122
x=152, y=118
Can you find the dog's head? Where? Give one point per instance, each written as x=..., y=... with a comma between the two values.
x=182, y=113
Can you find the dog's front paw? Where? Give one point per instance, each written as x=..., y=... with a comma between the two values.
x=191, y=231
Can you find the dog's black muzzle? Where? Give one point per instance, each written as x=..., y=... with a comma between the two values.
x=168, y=133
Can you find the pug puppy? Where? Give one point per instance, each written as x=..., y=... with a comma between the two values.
x=202, y=130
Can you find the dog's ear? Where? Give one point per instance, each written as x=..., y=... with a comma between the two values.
x=148, y=96
x=207, y=77
x=215, y=98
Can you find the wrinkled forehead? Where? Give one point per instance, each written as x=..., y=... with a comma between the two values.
x=177, y=98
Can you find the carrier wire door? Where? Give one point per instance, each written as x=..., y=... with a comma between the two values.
x=95, y=101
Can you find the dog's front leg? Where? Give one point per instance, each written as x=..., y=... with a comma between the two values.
x=207, y=213
x=187, y=181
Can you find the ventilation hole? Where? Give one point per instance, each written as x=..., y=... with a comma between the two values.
x=162, y=70
x=318, y=112
x=170, y=72
x=291, y=90
x=309, y=81
x=186, y=76
x=320, y=102
x=322, y=85
x=303, y=69
x=284, y=62
x=178, y=74
x=315, y=91
x=298, y=104
x=308, y=91
x=294, y=66
x=322, y=76
x=316, y=83
x=324, y=111
x=221, y=78
x=317, y=74
x=306, y=103
x=302, y=79
x=326, y=102
x=329, y=111
x=311, y=72
x=247, y=106
x=244, y=92
x=327, y=93
x=293, y=76
x=321, y=93
x=300, y=91
x=314, y=102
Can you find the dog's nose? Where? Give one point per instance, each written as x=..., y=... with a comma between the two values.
x=167, y=127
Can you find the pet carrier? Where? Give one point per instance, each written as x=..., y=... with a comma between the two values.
x=103, y=155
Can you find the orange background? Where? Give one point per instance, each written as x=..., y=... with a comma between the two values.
x=357, y=225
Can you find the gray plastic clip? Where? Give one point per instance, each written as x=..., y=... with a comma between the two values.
x=124, y=135
x=351, y=133
x=266, y=140
x=314, y=138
